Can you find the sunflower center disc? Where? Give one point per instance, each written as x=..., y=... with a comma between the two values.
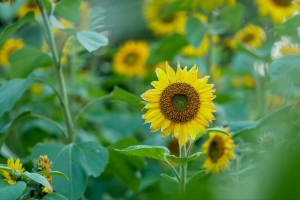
x=215, y=151
x=131, y=59
x=248, y=38
x=179, y=102
x=283, y=3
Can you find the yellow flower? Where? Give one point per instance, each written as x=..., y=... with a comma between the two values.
x=289, y=49
x=212, y=4
x=9, y=1
x=274, y=101
x=219, y=149
x=180, y=104
x=84, y=20
x=162, y=25
x=243, y=81
x=278, y=10
x=215, y=71
x=36, y=88
x=27, y=7
x=44, y=164
x=252, y=36
x=131, y=58
x=8, y=47
x=10, y=178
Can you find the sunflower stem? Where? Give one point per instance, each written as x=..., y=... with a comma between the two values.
x=183, y=168
x=59, y=72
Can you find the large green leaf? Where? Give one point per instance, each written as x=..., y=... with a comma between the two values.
x=283, y=66
x=96, y=157
x=91, y=40
x=218, y=27
x=155, y=152
x=125, y=168
x=288, y=28
x=259, y=54
x=9, y=30
x=68, y=9
x=235, y=20
x=25, y=60
x=183, y=160
x=195, y=31
x=39, y=179
x=8, y=191
x=54, y=196
x=11, y=91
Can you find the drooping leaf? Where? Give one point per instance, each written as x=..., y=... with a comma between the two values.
x=39, y=179
x=169, y=178
x=283, y=66
x=54, y=173
x=216, y=130
x=155, y=152
x=9, y=30
x=11, y=91
x=91, y=40
x=25, y=60
x=8, y=191
x=54, y=196
x=68, y=9
x=183, y=160
x=196, y=177
x=195, y=31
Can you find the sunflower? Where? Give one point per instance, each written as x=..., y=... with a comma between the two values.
x=211, y=4
x=84, y=20
x=219, y=149
x=27, y=7
x=278, y=10
x=44, y=164
x=10, y=178
x=162, y=25
x=9, y=1
x=251, y=35
x=8, y=47
x=180, y=104
x=131, y=58
x=289, y=49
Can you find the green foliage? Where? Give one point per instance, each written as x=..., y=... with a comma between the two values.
x=68, y=9
x=91, y=40
x=283, y=66
x=169, y=178
x=235, y=20
x=183, y=160
x=8, y=191
x=11, y=91
x=38, y=178
x=56, y=173
x=195, y=31
x=54, y=196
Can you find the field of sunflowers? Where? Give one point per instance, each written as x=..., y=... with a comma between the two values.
x=149, y=99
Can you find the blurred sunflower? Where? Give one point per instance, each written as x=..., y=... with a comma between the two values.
x=84, y=20
x=27, y=7
x=278, y=10
x=245, y=81
x=10, y=178
x=36, y=88
x=289, y=49
x=9, y=1
x=251, y=35
x=162, y=25
x=43, y=164
x=180, y=104
x=219, y=149
x=8, y=47
x=211, y=4
x=131, y=58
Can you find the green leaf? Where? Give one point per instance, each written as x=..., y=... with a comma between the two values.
x=7, y=169
x=195, y=31
x=176, y=6
x=123, y=95
x=96, y=157
x=125, y=168
x=39, y=179
x=155, y=152
x=288, y=28
x=9, y=30
x=283, y=66
x=11, y=91
x=169, y=178
x=167, y=49
x=235, y=20
x=196, y=177
x=218, y=27
x=55, y=173
x=199, y=135
x=25, y=60
x=54, y=196
x=183, y=160
x=68, y=9
x=252, y=52
x=91, y=40
x=216, y=130
x=8, y=191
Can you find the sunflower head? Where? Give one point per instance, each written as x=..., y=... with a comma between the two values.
x=27, y=7
x=219, y=150
x=289, y=49
x=43, y=164
x=252, y=36
x=211, y=4
x=159, y=24
x=8, y=47
x=12, y=178
x=180, y=103
x=131, y=58
x=278, y=10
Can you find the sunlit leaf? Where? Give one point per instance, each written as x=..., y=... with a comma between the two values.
x=68, y=9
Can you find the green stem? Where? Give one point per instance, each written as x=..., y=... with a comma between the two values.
x=173, y=169
x=288, y=90
x=53, y=88
x=59, y=72
x=183, y=168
